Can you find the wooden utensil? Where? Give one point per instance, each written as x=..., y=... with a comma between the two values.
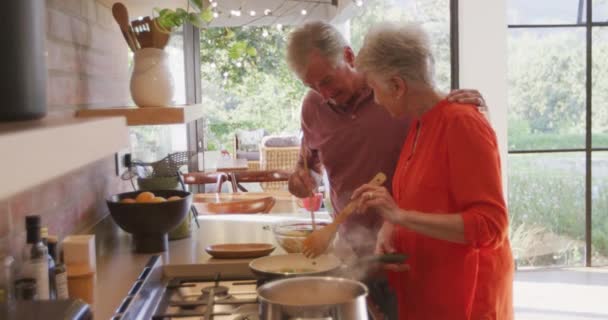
x=143, y=32
x=239, y=250
x=317, y=242
x=159, y=34
x=121, y=15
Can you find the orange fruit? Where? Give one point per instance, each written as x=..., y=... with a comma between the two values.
x=145, y=196
x=158, y=199
x=127, y=200
x=174, y=198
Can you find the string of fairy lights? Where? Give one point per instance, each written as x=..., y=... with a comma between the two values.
x=303, y=8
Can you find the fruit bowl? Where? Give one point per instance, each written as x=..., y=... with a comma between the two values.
x=150, y=219
x=290, y=235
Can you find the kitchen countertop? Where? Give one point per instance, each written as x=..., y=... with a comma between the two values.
x=118, y=267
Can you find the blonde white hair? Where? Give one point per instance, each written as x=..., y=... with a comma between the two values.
x=403, y=50
x=311, y=36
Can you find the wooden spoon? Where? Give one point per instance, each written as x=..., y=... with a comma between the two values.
x=121, y=15
x=143, y=31
x=160, y=34
x=317, y=242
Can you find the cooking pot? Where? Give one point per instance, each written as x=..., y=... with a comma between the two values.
x=293, y=265
x=308, y=298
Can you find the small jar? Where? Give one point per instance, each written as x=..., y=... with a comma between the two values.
x=81, y=283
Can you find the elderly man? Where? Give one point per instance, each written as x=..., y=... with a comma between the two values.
x=345, y=131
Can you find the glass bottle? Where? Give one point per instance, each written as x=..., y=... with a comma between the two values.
x=59, y=276
x=35, y=257
x=6, y=274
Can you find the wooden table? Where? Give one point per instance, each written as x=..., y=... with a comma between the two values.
x=230, y=166
x=285, y=202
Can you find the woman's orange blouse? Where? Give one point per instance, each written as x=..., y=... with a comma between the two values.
x=450, y=164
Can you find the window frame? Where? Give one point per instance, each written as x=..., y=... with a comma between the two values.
x=589, y=150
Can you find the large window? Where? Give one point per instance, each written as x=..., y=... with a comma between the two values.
x=152, y=143
x=433, y=15
x=247, y=85
x=558, y=128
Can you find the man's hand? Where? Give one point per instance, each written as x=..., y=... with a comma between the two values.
x=467, y=96
x=470, y=96
x=301, y=183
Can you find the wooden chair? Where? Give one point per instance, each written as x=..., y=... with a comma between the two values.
x=202, y=178
x=261, y=176
x=261, y=205
x=278, y=158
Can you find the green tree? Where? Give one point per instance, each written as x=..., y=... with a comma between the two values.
x=547, y=93
x=248, y=86
x=600, y=82
x=547, y=80
x=433, y=15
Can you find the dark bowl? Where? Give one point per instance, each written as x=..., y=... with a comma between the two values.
x=150, y=222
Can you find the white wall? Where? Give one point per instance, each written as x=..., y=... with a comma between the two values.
x=483, y=60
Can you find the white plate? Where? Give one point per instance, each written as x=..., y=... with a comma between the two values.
x=294, y=264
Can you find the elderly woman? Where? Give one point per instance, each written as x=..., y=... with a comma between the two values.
x=447, y=211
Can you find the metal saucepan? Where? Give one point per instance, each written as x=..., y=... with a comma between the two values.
x=326, y=298
x=292, y=265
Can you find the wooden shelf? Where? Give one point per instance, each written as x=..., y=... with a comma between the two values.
x=34, y=152
x=148, y=116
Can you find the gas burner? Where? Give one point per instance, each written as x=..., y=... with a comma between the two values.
x=187, y=293
x=252, y=316
x=220, y=292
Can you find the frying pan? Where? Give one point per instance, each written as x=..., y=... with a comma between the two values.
x=293, y=265
x=296, y=264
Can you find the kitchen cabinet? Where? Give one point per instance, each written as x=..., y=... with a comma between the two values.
x=34, y=152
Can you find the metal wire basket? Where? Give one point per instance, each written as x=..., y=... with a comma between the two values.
x=166, y=167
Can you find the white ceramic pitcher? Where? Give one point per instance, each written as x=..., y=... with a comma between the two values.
x=151, y=80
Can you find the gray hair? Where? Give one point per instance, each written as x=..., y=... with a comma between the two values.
x=397, y=49
x=317, y=35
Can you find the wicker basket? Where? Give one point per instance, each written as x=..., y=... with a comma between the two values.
x=283, y=158
x=253, y=165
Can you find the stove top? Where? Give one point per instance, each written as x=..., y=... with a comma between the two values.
x=187, y=299
x=212, y=291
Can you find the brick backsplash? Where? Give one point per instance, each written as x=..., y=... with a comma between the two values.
x=67, y=205
x=87, y=62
